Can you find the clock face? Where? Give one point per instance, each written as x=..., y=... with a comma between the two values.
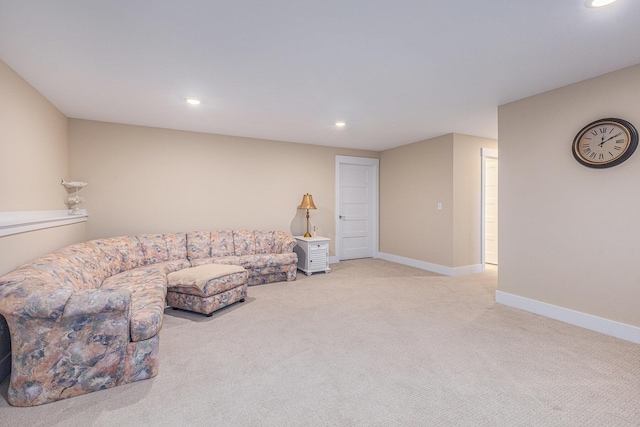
x=605, y=143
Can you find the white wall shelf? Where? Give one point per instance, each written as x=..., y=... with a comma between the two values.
x=22, y=221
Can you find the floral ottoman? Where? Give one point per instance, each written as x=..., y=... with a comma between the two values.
x=206, y=288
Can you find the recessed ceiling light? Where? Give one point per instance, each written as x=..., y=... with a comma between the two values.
x=193, y=101
x=598, y=3
x=341, y=124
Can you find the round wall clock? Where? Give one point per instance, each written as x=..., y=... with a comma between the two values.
x=605, y=143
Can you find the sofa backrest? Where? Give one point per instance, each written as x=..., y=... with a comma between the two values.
x=244, y=242
x=176, y=245
x=198, y=244
x=120, y=253
x=222, y=243
x=67, y=268
x=162, y=247
x=89, y=260
x=205, y=244
x=75, y=267
x=154, y=247
x=284, y=242
x=265, y=242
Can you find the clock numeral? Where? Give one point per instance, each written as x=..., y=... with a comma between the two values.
x=594, y=132
x=587, y=150
x=611, y=154
x=603, y=129
x=600, y=156
x=615, y=147
x=619, y=141
x=592, y=155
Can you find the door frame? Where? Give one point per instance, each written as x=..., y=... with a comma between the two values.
x=375, y=167
x=485, y=153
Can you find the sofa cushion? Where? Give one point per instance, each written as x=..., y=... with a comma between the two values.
x=265, y=242
x=87, y=257
x=174, y=265
x=285, y=242
x=222, y=243
x=176, y=245
x=130, y=250
x=244, y=242
x=110, y=256
x=229, y=260
x=120, y=253
x=253, y=262
x=148, y=291
x=154, y=247
x=198, y=244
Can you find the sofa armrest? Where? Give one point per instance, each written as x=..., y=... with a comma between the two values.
x=288, y=243
x=89, y=302
x=25, y=296
x=82, y=351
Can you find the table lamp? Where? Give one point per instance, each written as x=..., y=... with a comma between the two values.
x=307, y=203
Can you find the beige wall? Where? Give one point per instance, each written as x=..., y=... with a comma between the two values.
x=150, y=180
x=33, y=143
x=413, y=179
x=569, y=235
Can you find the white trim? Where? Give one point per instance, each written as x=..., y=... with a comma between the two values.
x=576, y=318
x=23, y=221
x=364, y=161
x=334, y=260
x=436, y=268
x=489, y=152
x=484, y=153
x=468, y=269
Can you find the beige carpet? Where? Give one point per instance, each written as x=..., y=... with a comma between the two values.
x=370, y=344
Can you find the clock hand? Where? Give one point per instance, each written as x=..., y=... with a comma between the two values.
x=616, y=135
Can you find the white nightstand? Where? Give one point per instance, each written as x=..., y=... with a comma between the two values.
x=313, y=254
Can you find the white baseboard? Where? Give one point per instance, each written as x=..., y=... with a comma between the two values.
x=576, y=318
x=436, y=268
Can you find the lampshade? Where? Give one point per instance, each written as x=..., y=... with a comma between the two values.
x=307, y=202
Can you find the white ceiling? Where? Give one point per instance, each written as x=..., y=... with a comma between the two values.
x=396, y=71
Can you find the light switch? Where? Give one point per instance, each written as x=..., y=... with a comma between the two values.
x=439, y=206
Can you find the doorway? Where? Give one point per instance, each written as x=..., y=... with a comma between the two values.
x=356, y=207
x=490, y=206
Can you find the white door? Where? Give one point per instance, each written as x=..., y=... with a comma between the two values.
x=356, y=207
x=491, y=211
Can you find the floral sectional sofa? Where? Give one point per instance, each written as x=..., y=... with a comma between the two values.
x=87, y=317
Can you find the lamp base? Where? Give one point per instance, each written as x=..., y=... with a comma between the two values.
x=307, y=234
